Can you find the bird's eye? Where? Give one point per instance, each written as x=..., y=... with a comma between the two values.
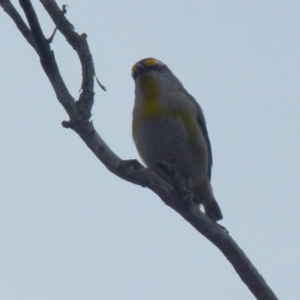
x=158, y=67
x=139, y=68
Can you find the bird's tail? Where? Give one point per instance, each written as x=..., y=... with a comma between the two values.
x=212, y=209
x=204, y=195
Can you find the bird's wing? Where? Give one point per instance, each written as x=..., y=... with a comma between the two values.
x=202, y=125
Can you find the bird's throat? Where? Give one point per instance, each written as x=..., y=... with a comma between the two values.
x=150, y=100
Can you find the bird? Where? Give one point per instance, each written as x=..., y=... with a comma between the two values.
x=168, y=127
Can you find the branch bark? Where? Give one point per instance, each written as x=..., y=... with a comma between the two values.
x=79, y=112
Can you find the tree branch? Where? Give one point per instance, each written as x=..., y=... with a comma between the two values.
x=47, y=59
x=80, y=111
x=80, y=45
x=13, y=13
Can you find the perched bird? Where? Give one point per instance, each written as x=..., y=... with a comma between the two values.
x=168, y=126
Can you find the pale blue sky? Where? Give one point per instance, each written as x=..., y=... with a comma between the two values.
x=71, y=230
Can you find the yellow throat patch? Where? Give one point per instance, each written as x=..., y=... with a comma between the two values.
x=150, y=103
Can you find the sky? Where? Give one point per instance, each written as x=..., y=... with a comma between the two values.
x=70, y=229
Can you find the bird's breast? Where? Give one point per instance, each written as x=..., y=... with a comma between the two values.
x=171, y=138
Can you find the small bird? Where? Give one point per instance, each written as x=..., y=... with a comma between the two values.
x=168, y=127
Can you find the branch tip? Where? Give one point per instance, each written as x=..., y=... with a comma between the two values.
x=64, y=9
x=66, y=124
x=100, y=84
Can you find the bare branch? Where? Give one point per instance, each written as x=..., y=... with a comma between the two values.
x=36, y=29
x=132, y=171
x=47, y=59
x=13, y=13
x=80, y=45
